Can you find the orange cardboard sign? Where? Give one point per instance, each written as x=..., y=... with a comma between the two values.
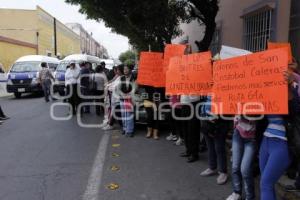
x=273, y=45
x=252, y=84
x=150, y=65
x=190, y=75
x=173, y=50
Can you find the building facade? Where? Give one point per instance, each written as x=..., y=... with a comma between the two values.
x=27, y=32
x=250, y=24
x=88, y=44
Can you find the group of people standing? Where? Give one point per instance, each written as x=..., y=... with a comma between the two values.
x=272, y=140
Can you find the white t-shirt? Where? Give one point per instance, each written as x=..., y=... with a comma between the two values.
x=189, y=98
x=72, y=76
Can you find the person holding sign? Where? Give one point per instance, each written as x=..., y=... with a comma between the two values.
x=154, y=97
x=191, y=127
x=215, y=131
x=274, y=155
x=243, y=154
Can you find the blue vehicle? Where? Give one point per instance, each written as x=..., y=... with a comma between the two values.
x=22, y=76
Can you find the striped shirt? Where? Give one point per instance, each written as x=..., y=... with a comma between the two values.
x=276, y=127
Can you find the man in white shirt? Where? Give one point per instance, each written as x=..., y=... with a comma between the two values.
x=71, y=78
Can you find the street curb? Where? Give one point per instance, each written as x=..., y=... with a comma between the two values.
x=284, y=181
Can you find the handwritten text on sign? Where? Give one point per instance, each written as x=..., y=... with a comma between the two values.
x=190, y=74
x=252, y=84
x=150, y=68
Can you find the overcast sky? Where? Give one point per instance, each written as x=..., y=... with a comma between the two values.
x=65, y=13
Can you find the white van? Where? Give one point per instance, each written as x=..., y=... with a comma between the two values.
x=59, y=85
x=22, y=76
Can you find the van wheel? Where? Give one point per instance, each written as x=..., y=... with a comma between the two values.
x=17, y=95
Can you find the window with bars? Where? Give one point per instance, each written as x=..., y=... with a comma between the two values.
x=257, y=30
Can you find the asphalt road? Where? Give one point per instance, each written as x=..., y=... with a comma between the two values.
x=44, y=159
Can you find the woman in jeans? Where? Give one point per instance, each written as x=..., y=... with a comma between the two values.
x=215, y=131
x=127, y=90
x=274, y=157
x=243, y=153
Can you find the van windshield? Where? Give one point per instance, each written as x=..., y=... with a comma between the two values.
x=26, y=67
x=62, y=66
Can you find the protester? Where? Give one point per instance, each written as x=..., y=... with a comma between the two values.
x=71, y=78
x=115, y=114
x=191, y=127
x=45, y=76
x=274, y=157
x=127, y=88
x=215, y=130
x=85, y=86
x=100, y=80
x=243, y=153
x=107, y=98
x=294, y=116
x=175, y=123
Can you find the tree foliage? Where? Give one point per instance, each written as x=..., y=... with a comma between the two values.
x=151, y=22
x=127, y=58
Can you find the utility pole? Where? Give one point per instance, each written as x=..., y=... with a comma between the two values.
x=55, y=37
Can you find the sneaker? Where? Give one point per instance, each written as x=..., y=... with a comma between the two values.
x=208, y=172
x=4, y=118
x=222, y=179
x=108, y=128
x=234, y=196
x=103, y=124
x=292, y=188
x=171, y=137
x=179, y=142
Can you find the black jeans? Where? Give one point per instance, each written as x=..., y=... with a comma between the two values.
x=74, y=99
x=215, y=136
x=191, y=132
x=85, y=92
x=152, y=118
x=176, y=125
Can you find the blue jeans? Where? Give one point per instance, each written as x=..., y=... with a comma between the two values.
x=274, y=159
x=243, y=152
x=46, y=85
x=215, y=137
x=127, y=119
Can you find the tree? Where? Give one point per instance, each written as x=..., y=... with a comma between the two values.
x=152, y=22
x=128, y=57
x=144, y=22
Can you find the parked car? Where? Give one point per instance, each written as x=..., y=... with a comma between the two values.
x=22, y=76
